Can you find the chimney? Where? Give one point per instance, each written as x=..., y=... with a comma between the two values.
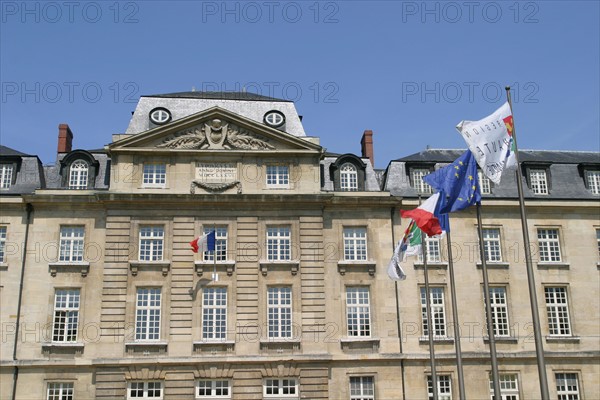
x=366, y=144
x=65, y=138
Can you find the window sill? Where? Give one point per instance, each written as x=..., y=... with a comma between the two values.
x=360, y=344
x=553, y=265
x=432, y=265
x=369, y=265
x=163, y=265
x=202, y=266
x=4, y=265
x=562, y=339
x=280, y=344
x=83, y=266
x=63, y=348
x=214, y=346
x=441, y=340
x=146, y=348
x=292, y=265
x=503, y=339
x=493, y=265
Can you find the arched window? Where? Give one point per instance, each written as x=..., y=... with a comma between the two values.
x=348, y=177
x=78, y=175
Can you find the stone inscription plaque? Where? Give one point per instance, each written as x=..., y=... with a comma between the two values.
x=216, y=172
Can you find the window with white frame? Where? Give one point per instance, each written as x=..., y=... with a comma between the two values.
x=539, y=181
x=78, y=175
x=597, y=240
x=419, y=184
x=491, y=244
x=434, y=254
x=151, y=243
x=485, y=185
x=214, y=313
x=278, y=176
x=147, y=314
x=549, y=245
x=145, y=390
x=355, y=244
x=59, y=391
x=557, y=308
x=348, y=177
x=567, y=386
x=280, y=388
x=593, y=181
x=279, y=243
x=499, y=306
x=66, y=315
x=438, y=312
x=213, y=389
x=362, y=388
x=71, y=243
x=6, y=172
x=444, y=384
x=3, y=243
x=154, y=175
x=509, y=387
x=220, y=244
x=358, y=311
x=279, y=311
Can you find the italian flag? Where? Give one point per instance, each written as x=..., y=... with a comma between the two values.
x=410, y=245
x=424, y=217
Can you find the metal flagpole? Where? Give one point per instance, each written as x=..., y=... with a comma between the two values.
x=393, y=212
x=215, y=276
x=539, y=347
x=488, y=307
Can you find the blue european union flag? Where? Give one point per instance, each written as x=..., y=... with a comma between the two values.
x=457, y=183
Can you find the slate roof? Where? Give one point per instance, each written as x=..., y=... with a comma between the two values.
x=7, y=151
x=543, y=156
x=244, y=96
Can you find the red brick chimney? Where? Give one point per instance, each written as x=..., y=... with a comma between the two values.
x=366, y=144
x=65, y=138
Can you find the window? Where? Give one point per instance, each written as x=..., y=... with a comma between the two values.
x=144, y=390
x=208, y=389
x=280, y=388
x=155, y=175
x=6, y=171
x=358, y=311
x=279, y=312
x=147, y=314
x=509, y=388
x=499, y=307
x=66, y=316
x=419, y=184
x=491, y=245
x=438, y=312
x=151, y=243
x=362, y=388
x=348, y=177
x=60, y=391
x=71, y=243
x=3, y=243
x=355, y=244
x=279, y=243
x=567, y=386
x=444, y=384
x=597, y=239
x=78, y=175
x=558, y=311
x=539, y=181
x=434, y=254
x=549, y=245
x=278, y=176
x=220, y=244
x=214, y=313
x=593, y=181
x=485, y=185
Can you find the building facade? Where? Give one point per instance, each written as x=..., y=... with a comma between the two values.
x=103, y=298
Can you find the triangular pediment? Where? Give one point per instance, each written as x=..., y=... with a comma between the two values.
x=215, y=129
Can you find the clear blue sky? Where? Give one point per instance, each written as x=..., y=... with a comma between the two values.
x=410, y=71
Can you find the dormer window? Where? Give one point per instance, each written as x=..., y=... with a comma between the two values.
x=418, y=183
x=539, y=181
x=6, y=174
x=274, y=118
x=78, y=175
x=348, y=173
x=485, y=185
x=78, y=170
x=160, y=116
x=592, y=178
x=348, y=177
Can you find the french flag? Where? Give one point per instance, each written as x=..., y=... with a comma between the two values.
x=204, y=243
x=424, y=216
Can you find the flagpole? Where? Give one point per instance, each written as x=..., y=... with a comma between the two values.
x=539, y=346
x=488, y=307
x=215, y=277
x=393, y=212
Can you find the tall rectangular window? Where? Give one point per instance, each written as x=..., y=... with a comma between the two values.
x=220, y=244
x=145, y=390
x=509, y=387
x=279, y=311
x=155, y=175
x=213, y=389
x=485, y=185
x=355, y=244
x=3, y=243
x=214, y=313
x=66, y=316
x=6, y=171
x=557, y=308
x=348, y=177
x=491, y=245
x=499, y=306
x=593, y=181
x=279, y=243
x=434, y=253
x=567, y=386
x=549, y=245
x=358, y=311
x=151, y=243
x=280, y=388
x=278, y=176
x=438, y=312
x=419, y=184
x=362, y=388
x=71, y=243
x=78, y=175
x=147, y=314
x=59, y=391
x=539, y=181
x=444, y=384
